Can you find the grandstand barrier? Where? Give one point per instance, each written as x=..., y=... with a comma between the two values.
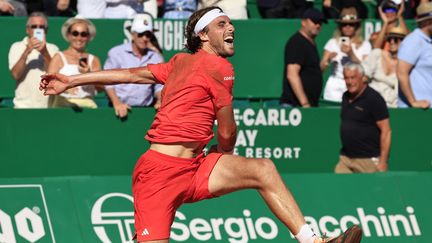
x=390, y=207
x=259, y=43
x=66, y=142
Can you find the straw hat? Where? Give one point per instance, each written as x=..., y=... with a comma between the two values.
x=397, y=32
x=348, y=16
x=71, y=21
x=424, y=12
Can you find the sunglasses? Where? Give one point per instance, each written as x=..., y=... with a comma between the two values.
x=140, y=35
x=35, y=26
x=395, y=39
x=349, y=24
x=77, y=33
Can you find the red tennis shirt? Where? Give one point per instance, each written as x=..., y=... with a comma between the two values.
x=196, y=86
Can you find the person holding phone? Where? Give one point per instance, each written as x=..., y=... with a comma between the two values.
x=347, y=45
x=28, y=60
x=75, y=60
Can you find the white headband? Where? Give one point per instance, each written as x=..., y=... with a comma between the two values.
x=207, y=18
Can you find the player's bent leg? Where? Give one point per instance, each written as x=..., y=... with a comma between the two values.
x=232, y=173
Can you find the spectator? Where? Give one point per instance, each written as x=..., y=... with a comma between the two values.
x=91, y=9
x=234, y=9
x=28, y=60
x=179, y=9
x=332, y=8
x=347, y=45
x=302, y=83
x=365, y=127
x=151, y=7
x=414, y=66
x=138, y=53
x=13, y=7
x=75, y=60
x=392, y=16
x=410, y=6
x=53, y=7
x=283, y=8
x=120, y=9
x=380, y=66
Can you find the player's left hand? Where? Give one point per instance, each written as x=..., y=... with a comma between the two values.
x=53, y=84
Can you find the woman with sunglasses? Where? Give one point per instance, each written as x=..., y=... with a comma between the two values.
x=380, y=66
x=347, y=45
x=75, y=60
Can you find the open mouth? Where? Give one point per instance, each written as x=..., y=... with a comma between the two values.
x=229, y=40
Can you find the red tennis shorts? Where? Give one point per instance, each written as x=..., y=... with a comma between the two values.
x=161, y=184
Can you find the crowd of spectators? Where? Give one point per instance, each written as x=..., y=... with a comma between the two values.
x=392, y=62
x=303, y=76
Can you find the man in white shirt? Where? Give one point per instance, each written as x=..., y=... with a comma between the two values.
x=28, y=60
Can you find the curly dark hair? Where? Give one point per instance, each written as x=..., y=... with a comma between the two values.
x=193, y=42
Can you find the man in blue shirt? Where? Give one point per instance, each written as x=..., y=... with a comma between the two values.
x=134, y=54
x=414, y=67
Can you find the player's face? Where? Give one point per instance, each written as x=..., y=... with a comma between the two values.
x=221, y=36
x=354, y=81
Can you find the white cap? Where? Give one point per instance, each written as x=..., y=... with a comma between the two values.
x=142, y=22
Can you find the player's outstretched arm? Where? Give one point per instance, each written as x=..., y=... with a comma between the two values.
x=57, y=83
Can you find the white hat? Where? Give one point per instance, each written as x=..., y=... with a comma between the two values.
x=142, y=22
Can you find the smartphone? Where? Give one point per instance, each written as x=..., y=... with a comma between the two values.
x=344, y=40
x=82, y=60
x=39, y=34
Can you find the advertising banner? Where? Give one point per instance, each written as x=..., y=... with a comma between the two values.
x=389, y=207
x=95, y=142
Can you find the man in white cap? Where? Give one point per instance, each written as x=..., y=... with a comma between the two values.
x=414, y=66
x=198, y=90
x=134, y=54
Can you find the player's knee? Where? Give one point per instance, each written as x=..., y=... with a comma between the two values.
x=265, y=168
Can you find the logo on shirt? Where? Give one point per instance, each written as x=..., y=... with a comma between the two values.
x=229, y=78
x=145, y=232
x=359, y=108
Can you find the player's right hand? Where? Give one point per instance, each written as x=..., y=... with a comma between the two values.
x=53, y=84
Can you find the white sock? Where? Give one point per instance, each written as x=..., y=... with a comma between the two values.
x=306, y=235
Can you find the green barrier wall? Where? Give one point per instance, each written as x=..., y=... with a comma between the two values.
x=259, y=45
x=390, y=207
x=61, y=142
